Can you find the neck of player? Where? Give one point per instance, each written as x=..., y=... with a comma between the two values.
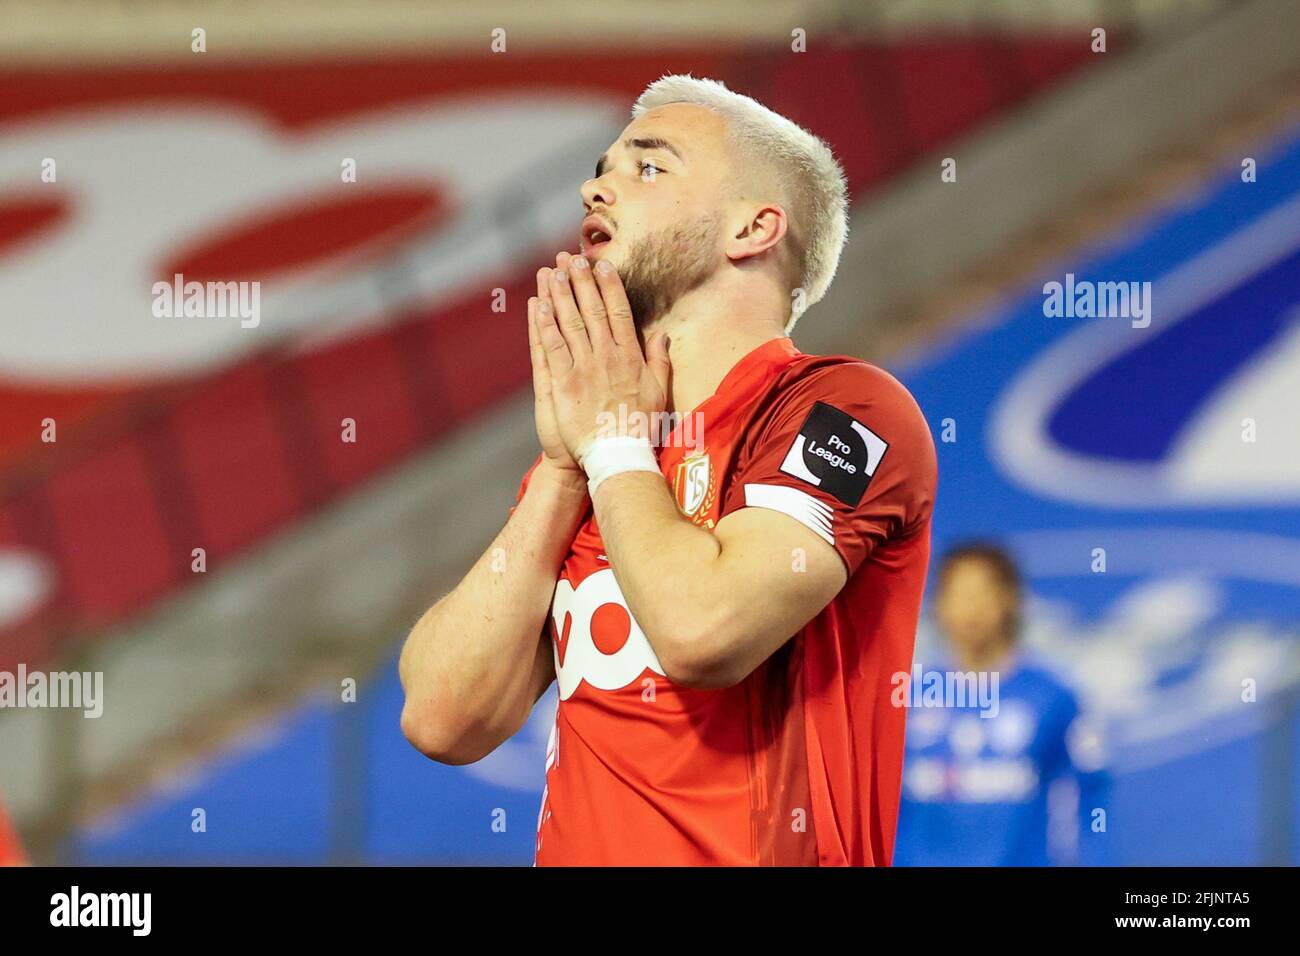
x=711, y=329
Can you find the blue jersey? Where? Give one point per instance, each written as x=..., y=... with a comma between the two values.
x=1015, y=782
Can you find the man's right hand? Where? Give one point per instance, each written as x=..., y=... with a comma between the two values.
x=555, y=455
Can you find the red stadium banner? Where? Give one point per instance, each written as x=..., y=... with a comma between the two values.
x=127, y=438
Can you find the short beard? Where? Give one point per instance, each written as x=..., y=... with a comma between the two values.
x=663, y=267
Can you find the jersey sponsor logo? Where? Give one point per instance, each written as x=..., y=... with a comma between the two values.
x=986, y=780
x=835, y=452
x=595, y=637
x=1014, y=728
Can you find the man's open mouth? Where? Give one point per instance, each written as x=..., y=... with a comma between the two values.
x=595, y=234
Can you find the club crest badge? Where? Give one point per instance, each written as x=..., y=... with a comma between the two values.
x=695, y=488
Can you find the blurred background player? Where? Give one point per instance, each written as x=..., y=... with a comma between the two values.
x=1018, y=783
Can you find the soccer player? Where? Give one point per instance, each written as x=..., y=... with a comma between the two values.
x=722, y=606
x=1020, y=783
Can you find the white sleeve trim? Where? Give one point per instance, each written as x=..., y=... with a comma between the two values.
x=799, y=505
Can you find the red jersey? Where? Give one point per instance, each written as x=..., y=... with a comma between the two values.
x=801, y=762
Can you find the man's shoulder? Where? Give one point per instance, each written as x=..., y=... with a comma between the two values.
x=844, y=376
x=860, y=389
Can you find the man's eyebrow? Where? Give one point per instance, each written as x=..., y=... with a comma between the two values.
x=648, y=142
x=652, y=142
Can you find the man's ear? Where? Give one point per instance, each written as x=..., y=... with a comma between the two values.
x=758, y=229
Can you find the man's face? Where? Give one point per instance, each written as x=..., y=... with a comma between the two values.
x=655, y=207
x=975, y=608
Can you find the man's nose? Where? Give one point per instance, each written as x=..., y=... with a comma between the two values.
x=596, y=192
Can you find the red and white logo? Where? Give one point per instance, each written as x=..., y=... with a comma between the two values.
x=595, y=637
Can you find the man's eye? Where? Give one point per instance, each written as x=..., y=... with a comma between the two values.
x=647, y=168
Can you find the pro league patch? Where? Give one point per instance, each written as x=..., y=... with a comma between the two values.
x=835, y=452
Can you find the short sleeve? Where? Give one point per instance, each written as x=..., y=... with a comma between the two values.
x=523, y=484
x=845, y=451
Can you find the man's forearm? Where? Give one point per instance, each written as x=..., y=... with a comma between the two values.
x=471, y=654
x=663, y=563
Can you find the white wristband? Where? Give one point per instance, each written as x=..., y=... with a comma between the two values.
x=613, y=454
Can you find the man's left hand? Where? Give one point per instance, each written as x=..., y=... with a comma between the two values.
x=602, y=384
